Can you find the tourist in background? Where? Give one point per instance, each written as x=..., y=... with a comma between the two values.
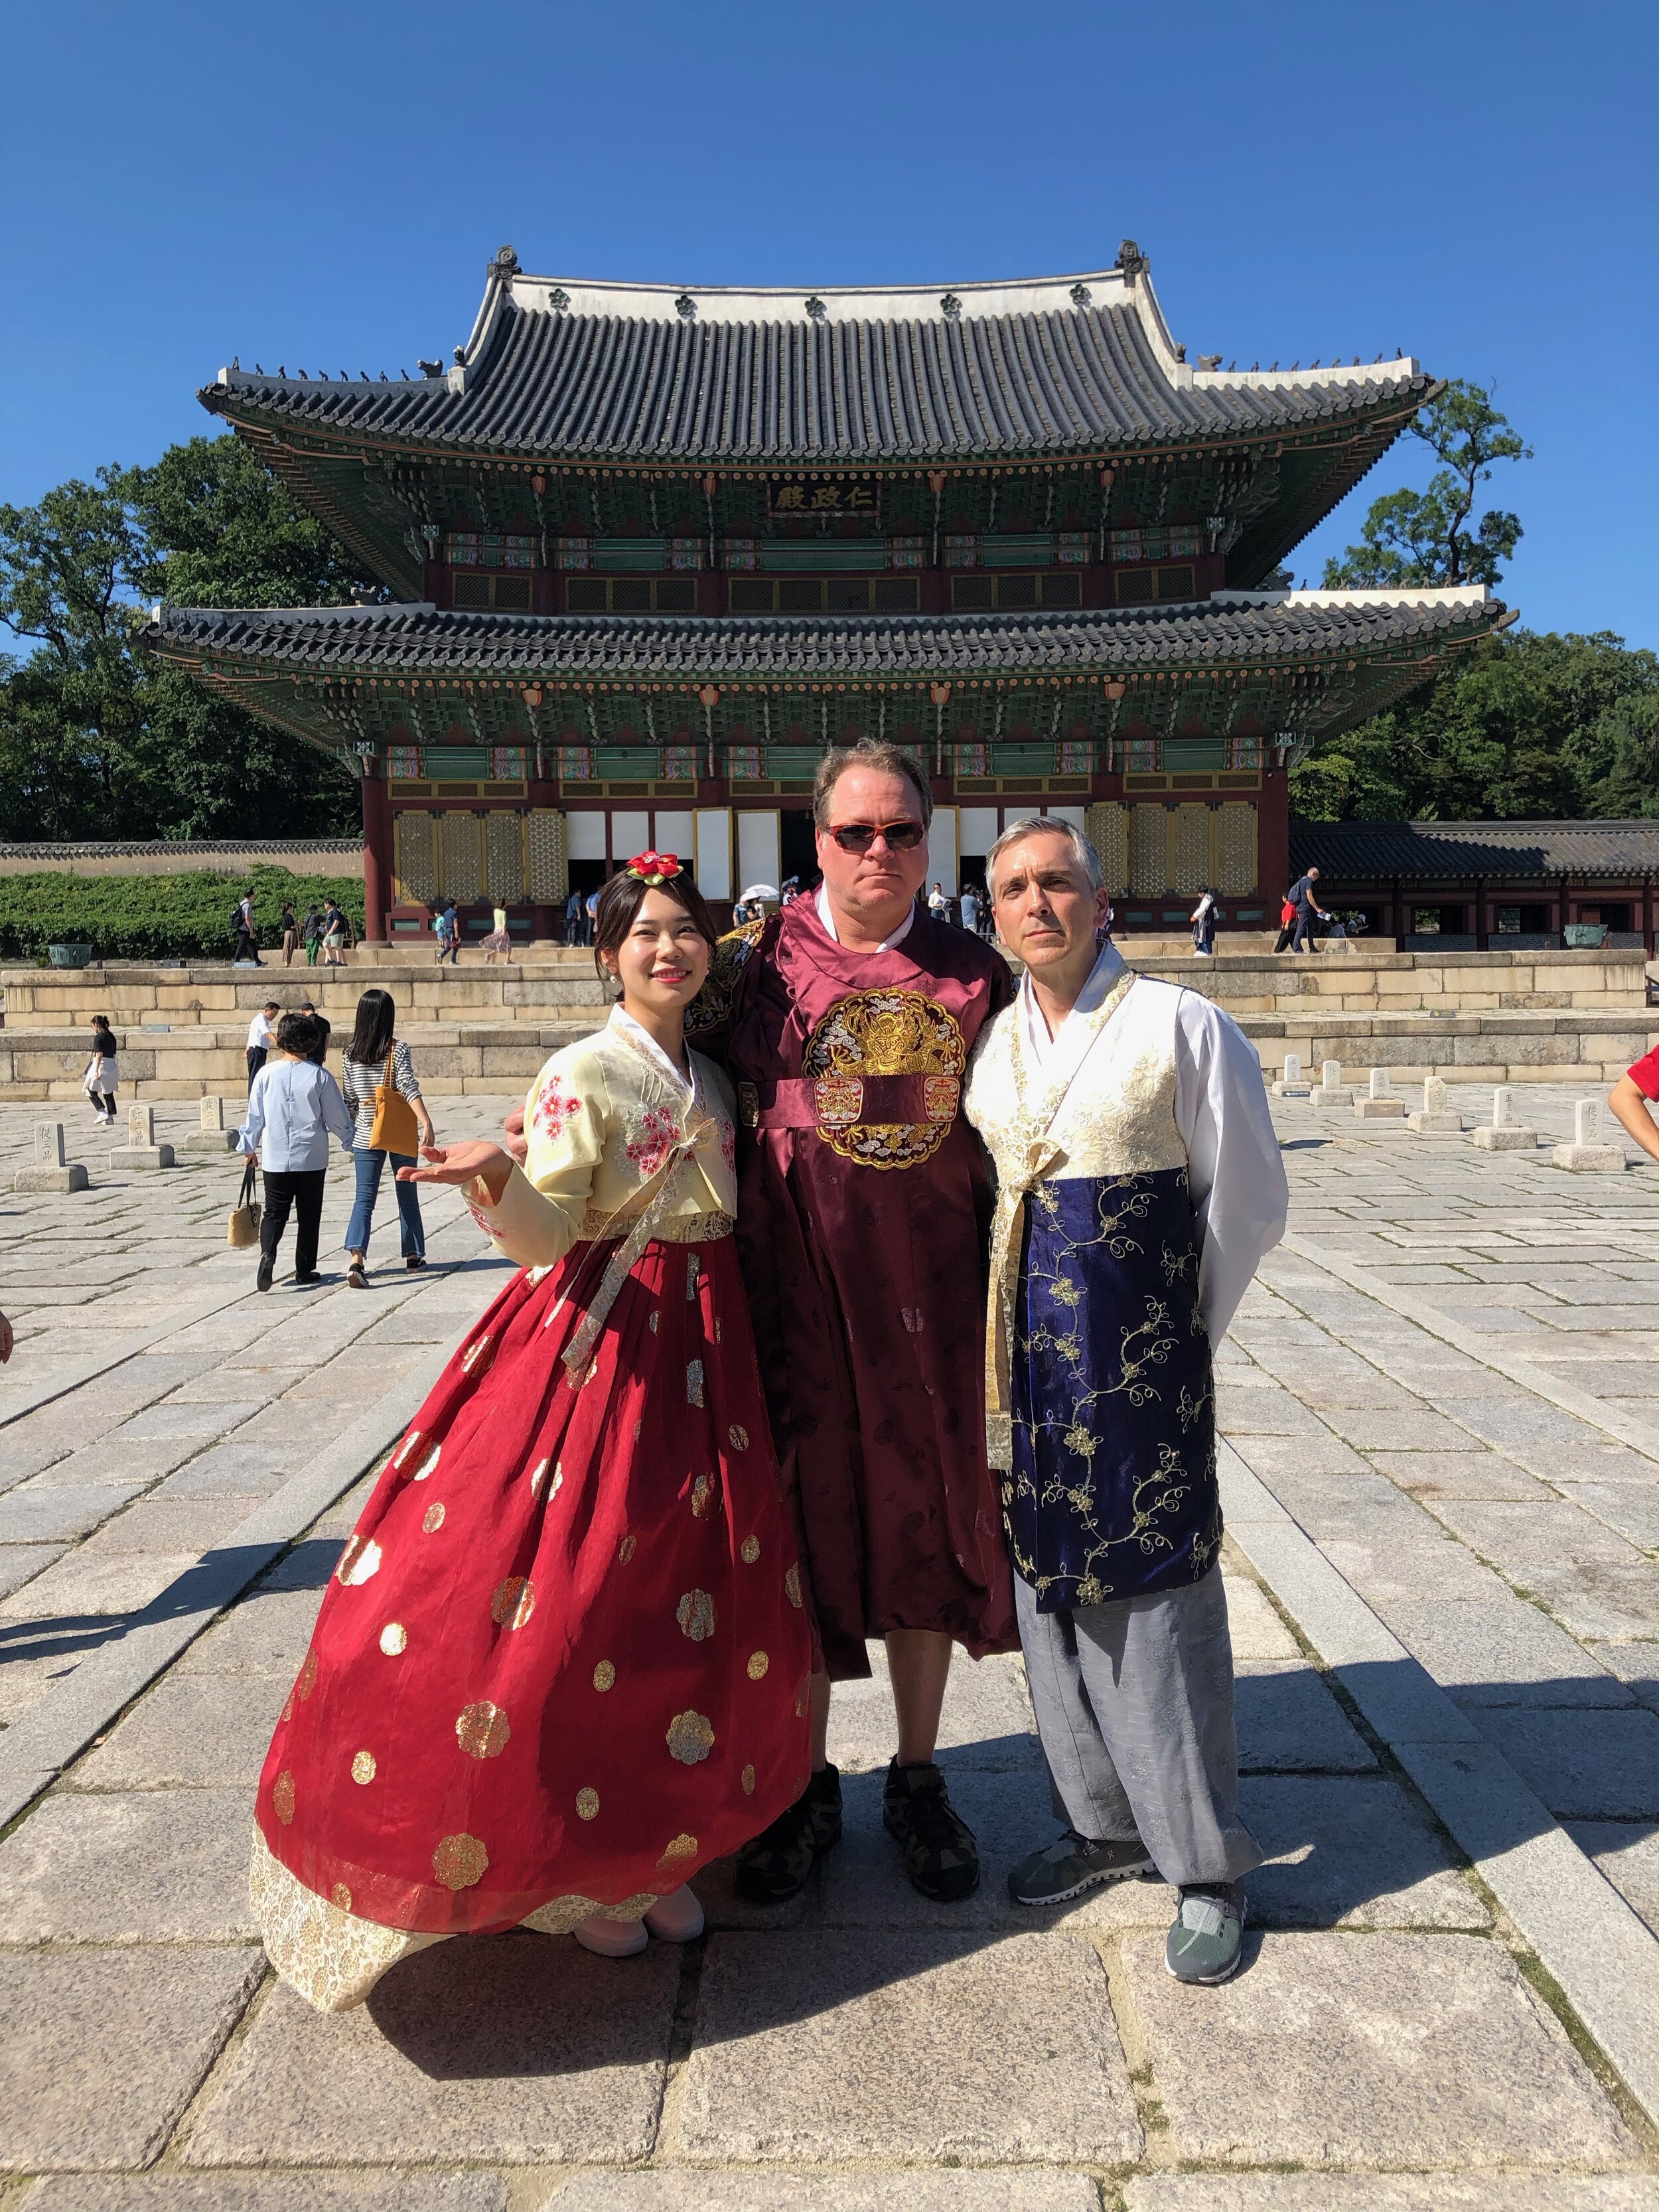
x=290, y=931
x=1308, y=911
x=1203, y=920
x=103, y=1069
x=260, y=1036
x=292, y=1109
x=248, y=948
x=375, y=1059
x=590, y=916
x=311, y=932
x=318, y=1054
x=572, y=919
x=448, y=928
x=500, y=939
x=336, y=935
x=970, y=909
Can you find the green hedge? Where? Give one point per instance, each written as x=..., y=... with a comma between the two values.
x=184, y=917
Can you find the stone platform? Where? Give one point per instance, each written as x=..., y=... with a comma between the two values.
x=1441, y=1403
x=1485, y=1018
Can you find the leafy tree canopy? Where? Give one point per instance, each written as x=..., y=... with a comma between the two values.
x=1524, y=726
x=1424, y=537
x=97, y=740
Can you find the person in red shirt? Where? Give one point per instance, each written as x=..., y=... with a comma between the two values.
x=1630, y=1097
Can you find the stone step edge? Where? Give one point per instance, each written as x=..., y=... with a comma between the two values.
x=1596, y=1947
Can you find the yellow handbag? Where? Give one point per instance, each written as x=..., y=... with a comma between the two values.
x=242, y=1229
x=394, y=1128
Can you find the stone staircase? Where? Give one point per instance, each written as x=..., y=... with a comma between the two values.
x=1474, y=1017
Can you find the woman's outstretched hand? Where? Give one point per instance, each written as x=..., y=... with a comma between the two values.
x=459, y=1164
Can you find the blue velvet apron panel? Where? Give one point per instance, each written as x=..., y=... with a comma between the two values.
x=1112, y=1491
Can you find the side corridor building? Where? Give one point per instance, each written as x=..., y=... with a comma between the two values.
x=649, y=550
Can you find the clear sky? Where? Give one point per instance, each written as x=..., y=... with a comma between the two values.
x=1475, y=180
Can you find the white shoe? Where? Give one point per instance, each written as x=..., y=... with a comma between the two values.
x=677, y=1917
x=611, y=1939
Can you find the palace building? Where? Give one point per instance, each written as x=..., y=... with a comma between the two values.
x=651, y=550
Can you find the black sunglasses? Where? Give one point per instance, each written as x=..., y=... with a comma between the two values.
x=859, y=836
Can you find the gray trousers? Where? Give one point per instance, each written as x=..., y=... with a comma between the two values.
x=1134, y=1706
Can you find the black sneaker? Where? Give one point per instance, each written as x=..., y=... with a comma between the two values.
x=940, y=1854
x=267, y=1269
x=772, y=1866
x=1072, y=1864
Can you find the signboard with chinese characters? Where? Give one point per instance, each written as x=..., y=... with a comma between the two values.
x=804, y=495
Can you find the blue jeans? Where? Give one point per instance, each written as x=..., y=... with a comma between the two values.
x=368, y=1166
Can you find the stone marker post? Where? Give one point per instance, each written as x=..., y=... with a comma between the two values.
x=1291, y=1084
x=1437, y=1118
x=1379, y=1104
x=49, y=1171
x=1332, y=1091
x=1587, y=1154
x=1504, y=1134
x=141, y=1149
x=212, y=1136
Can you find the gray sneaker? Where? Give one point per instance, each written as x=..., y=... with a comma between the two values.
x=1071, y=1864
x=1207, y=1933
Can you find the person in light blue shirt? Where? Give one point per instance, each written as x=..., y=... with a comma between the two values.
x=291, y=1110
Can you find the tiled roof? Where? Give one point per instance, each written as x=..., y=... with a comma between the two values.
x=609, y=375
x=1245, y=627
x=1437, y=849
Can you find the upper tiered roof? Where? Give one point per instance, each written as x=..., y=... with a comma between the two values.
x=557, y=369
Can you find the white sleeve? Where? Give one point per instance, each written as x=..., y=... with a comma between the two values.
x=1240, y=1196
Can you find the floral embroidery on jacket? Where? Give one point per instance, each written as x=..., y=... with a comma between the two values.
x=556, y=1107
x=652, y=1135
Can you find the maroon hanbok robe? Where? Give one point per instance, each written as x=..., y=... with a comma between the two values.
x=863, y=1213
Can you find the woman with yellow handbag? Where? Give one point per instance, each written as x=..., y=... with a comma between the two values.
x=376, y=1075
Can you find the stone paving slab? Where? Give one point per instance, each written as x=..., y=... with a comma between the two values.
x=103, y=2049
x=1585, y=1765
x=190, y=1729
x=1502, y=1653
x=907, y=2049
x=987, y=1720
x=1289, y=1721
x=1430, y=2050
x=408, y=2192
x=162, y=1866
x=916, y=2190
x=1351, y=1853
x=508, y=2049
x=1393, y=2192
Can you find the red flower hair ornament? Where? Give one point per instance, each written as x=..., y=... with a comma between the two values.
x=655, y=868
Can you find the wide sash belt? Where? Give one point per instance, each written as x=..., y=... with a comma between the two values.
x=843, y=1101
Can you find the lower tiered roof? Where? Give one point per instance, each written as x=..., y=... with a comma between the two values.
x=356, y=678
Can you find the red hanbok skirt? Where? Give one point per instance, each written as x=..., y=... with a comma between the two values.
x=562, y=1661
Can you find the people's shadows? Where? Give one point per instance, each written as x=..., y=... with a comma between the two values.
x=217, y=1579
x=525, y=2007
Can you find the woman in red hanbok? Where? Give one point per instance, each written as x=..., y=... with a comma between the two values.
x=562, y=1662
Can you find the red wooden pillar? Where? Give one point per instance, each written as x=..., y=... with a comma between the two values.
x=377, y=853
x=1273, y=839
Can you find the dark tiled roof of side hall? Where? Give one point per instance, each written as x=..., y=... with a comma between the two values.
x=1242, y=626
x=1049, y=366
x=1376, y=849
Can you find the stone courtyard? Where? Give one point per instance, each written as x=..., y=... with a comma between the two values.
x=1441, y=1404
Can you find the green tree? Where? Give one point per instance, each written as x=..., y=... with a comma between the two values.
x=1422, y=538
x=98, y=739
x=1523, y=726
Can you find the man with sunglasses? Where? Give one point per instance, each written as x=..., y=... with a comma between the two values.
x=863, y=1213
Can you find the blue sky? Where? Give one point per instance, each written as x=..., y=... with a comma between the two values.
x=322, y=186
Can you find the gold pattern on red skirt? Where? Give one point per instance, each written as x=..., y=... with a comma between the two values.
x=691, y=1737
x=749, y=1550
x=394, y=1639
x=513, y=1602
x=362, y=1766
x=432, y=1520
x=587, y=1804
x=360, y=1559
x=459, y=1862
x=281, y=1798
x=695, y=1615
x=603, y=1676
x=758, y=1663
x=481, y=1729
